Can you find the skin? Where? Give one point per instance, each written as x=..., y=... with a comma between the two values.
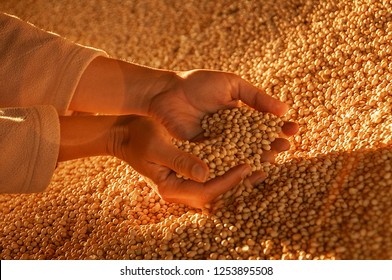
x=163, y=104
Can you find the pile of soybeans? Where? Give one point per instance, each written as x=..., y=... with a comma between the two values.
x=328, y=197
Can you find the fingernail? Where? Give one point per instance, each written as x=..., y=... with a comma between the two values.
x=199, y=173
x=245, y=172
x=247, y=183
x=261, y=179
x=285, y=109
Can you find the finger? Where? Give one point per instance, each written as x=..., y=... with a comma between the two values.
x=290, y=128
x=280, y=145
x=268, y=156
x=198, y=195
x=256, y=178
x=219, y=185
x=199, y=137
x=230, y=179
x=222, y=184
x=259, y=100
x=183, y=163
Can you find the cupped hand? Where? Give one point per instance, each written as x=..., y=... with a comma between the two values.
x=195, y=93
x=147, y=146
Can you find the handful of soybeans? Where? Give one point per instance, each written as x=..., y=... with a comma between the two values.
x=234, y=136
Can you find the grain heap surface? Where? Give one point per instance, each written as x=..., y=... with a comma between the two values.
x=328, y=197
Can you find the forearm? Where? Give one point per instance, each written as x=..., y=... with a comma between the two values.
x=84, y=136
x=111, y=86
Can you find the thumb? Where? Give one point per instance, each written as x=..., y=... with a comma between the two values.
x=186, y=164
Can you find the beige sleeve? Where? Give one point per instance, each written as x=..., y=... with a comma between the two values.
x=38, y=67
x=29, y=141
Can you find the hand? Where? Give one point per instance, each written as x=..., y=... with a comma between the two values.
x=196, y=93
x=146, y=145
x=177, y=99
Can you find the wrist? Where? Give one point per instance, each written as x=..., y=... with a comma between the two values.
x=84, y=136
x=119, y=136
x=111, y=86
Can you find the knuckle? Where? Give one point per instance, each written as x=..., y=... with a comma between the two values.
x=179, y=162
x=206, y=196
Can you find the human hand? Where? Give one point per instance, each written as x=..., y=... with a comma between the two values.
x=196, y=93
x=178, y=100
x=146, y=145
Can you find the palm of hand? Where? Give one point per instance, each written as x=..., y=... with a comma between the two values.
x=196, y=94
